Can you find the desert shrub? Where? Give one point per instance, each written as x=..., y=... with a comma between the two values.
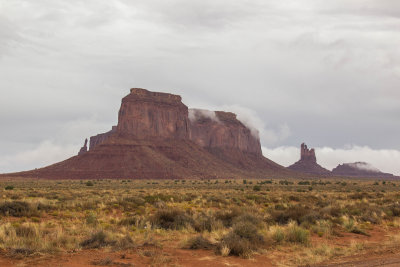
x=257, y=188
x=125, y=242
x=242, y=241
x=248, y=231
x=250, y=218
x=199, y=242
x=9, y=187
x=296, y=213
x=89, y=183
x=137, y=221
x=16, y=209
x=236, y=246
x=25, y=231
x=203, y=222
x=296, y=234
x=173, y=219
x=91, y=218
x=97, y=240
x=228, y=217
x=278, y=235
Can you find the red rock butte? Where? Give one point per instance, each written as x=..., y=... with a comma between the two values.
x=308, y=162
x=157, y=138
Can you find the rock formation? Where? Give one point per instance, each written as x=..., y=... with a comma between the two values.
x=308, y=162
x=222, y=130
x=359, y=169
x=101, y=138
x=83, y=149
x=155, y=139
x=149, y=115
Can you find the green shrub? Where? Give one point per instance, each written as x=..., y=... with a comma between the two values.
x=89, y=183
x=296, y=234
x=9, y=187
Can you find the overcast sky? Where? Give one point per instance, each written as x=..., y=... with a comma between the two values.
x=322, y=72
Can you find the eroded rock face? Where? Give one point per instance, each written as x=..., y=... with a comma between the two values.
x=101, y=138
x=308, y=162
x=359, y=169
x=220, y=129
x=147, y=115
x=83, y=149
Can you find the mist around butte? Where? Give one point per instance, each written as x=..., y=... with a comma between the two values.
x=324, y=74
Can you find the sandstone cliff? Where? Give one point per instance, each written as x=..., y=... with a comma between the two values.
x=155, y=139
x=222, y=130
x=148, y=115
x=101, y=138
x=308, y=162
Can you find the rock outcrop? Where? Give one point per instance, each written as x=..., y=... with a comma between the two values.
x=308, y=162
x=359, y=169
x=149, y=115
x=83, y=149
x=101, y=138
x=220, y=129
x=155, y=139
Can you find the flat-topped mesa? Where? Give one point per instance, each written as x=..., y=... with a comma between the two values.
x=307, y=154
x=222, y=130
x=147, y=115
x=359, y=169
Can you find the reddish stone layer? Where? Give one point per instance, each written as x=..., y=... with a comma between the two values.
x=101, y=138
x=222, y=130
x=147, y=115
x=359, y=169
x=308, y=163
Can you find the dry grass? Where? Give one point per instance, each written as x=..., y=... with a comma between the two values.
x=228, y=216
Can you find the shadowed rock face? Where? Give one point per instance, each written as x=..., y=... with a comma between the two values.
x=155, y=139
x=359, y=169
x=308, y=162
x=222, y=130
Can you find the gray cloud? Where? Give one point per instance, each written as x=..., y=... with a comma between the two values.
x=322, y=72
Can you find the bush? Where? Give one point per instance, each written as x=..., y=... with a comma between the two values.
x=203, y=223
x=243, y=240
x=171, y=219
x=296, y=234
x=228, y=217
x=237, y=246
x=97, y=240
x=9, y=187
x=248, y=231
x=257, y=188
x=199, y=242
x=89, y=183
x=16, y=209
x=296, y=213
